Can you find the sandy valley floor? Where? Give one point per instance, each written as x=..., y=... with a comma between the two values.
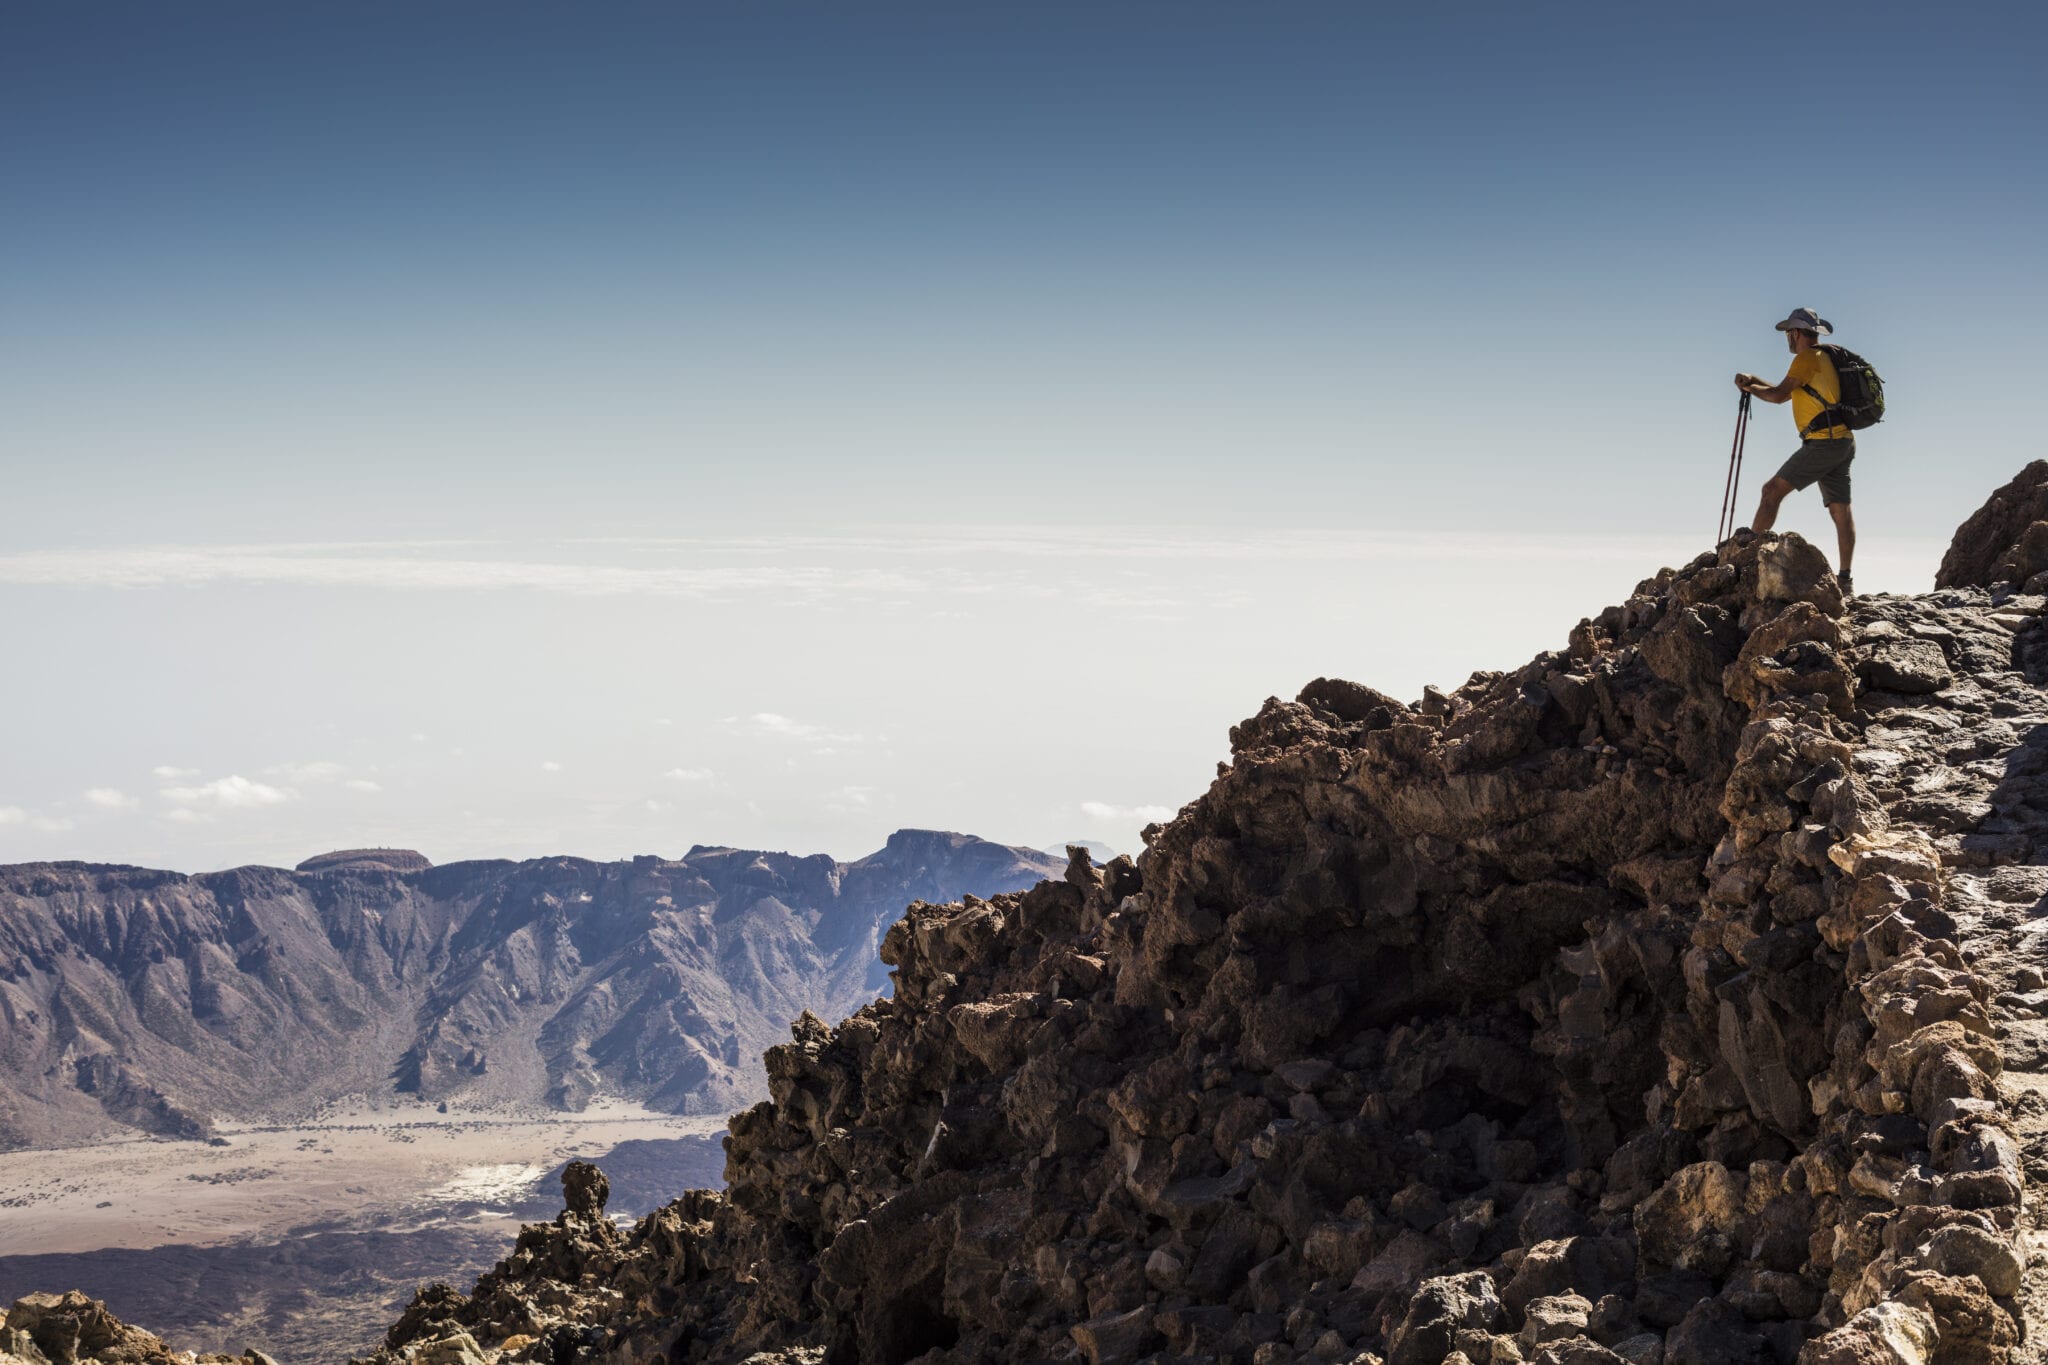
x=400, y=1167
x=305, y=1240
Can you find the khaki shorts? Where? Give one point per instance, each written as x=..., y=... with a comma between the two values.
x=1823, y=462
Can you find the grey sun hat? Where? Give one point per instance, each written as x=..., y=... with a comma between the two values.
x=1806, y=320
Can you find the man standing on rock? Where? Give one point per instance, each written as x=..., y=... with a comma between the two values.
x=1825, y=452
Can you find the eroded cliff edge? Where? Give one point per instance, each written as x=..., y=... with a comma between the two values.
x=1672, y=998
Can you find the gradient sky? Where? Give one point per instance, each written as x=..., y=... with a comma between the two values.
x=505, y=428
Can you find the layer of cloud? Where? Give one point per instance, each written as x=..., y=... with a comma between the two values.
x=233, y=792
x=689, y=774
x=306, y=773
x=47, y=824
x=362, y=784
x=393, y=569
x=166, y=773
x=887, y=563
x=1124, y=815
x=769, y=725
x=852, y=800
x=1280, y=543
x=110, y=798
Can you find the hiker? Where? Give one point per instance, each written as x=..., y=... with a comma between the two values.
x=1826, y=449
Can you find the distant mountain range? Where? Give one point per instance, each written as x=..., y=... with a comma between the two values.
x=137, y=999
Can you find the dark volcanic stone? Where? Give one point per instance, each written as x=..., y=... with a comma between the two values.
x=1993, y=532
x=1911, y=666
x=585, y=1190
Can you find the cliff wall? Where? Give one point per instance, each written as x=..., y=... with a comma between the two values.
x=137, y=999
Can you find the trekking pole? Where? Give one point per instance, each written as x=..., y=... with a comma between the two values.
x=1730, y=508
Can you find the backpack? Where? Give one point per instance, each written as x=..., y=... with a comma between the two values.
x=1862, y=402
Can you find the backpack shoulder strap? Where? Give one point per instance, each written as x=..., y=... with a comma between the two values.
x=1822, y=419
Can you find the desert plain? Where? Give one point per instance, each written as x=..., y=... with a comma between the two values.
x=301, y=1238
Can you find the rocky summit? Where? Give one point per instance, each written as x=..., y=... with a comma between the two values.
x=1674, y=998
x=135, y=999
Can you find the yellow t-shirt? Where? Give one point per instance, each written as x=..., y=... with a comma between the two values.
x=1813, y=367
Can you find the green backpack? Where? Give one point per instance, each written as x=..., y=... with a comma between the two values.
x=1862, y=402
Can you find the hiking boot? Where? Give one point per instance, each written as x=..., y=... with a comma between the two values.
x=1848, y=584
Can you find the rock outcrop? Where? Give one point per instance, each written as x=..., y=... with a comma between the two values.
x=367, y=859
x=1628, y=1006
x=66, y=1329
x=154, y=1001
x=2005, y=540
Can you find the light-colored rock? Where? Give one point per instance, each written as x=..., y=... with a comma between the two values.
x=1554, y=1319
x=1887, y=1334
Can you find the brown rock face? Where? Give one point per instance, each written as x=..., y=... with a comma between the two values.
x=65, y=1329
x=585, y=1190
x=2005, y=540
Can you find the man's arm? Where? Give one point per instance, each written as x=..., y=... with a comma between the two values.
x=1770, y=393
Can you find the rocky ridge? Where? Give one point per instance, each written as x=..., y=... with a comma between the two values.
x=138, y=999
x=61, y=1329
x=1672, y=999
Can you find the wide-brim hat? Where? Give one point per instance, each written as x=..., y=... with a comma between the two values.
x=1806, y=320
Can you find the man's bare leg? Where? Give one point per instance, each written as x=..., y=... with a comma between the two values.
x=1767, y=510
x=1845, y=532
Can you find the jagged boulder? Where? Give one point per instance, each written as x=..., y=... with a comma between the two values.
x=1440, y=1314
x=1888, y=1334
x=2005, y=540
x=1695, y=1222
x=584, y=1189
x=73, y=1329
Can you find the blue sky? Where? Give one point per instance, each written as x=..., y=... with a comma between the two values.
x=533, y=277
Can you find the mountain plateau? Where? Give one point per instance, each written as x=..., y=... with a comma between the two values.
x=133, y=999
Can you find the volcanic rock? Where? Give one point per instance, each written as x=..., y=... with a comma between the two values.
x=70, y=1329
x=1994, y=545
x=585, y=1190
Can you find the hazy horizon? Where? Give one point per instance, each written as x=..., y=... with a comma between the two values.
x=769, y=743
x=546, y=431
